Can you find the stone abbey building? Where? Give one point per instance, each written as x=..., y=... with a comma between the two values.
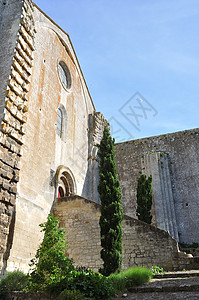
x=48, y=156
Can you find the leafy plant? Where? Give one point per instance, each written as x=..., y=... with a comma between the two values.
x=14, y=281
x=71, y=295
x=50, y=263
x=144, y=198
x=157, y=270
x=90, y=284
x=111, y=209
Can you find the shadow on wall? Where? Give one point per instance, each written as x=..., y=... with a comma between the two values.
x=9, y=241
x=91, y=182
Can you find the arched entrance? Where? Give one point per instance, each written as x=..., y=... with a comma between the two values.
x=65, y=182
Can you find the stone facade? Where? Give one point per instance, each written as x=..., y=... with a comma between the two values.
x=173, y=161
x=48, y=150
x=36, y=162
x=143, y=244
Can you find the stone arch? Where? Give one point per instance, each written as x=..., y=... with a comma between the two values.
x=65, y=182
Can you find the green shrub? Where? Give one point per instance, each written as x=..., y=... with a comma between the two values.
x=50, y=263
x=157, y=270
x=129, y=278
x=14, y=281
x=71, y=295
x=90, y=284
x=137, y=276
x=118, y=282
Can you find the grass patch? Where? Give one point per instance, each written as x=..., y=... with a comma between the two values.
x=129, y=278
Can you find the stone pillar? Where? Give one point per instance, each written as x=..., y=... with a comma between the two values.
x=163, y=211
x=96, y=128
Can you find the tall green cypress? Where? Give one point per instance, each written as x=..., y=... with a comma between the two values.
x=144, y=198
x=111, y=209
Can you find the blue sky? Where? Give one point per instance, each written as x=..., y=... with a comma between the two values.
x=140, y=60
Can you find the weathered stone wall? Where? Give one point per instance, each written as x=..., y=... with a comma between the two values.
x=44, y=151
x=157, y=164
x=95, y=132
x=143, y=244
x=182, y=149
x=146, y=245
x=16, y=40
x=80, y=217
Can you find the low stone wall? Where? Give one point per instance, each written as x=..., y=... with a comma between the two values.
x=80, y=217
x=146, y=245
x=143, y=244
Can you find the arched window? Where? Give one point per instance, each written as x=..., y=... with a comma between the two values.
x=65, y=182
x=64, y=75
x=59, y=122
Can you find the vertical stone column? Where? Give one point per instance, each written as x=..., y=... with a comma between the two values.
x=157, y=164
x=96, y=128
x=16, y=61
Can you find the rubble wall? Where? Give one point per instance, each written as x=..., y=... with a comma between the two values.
x=182, y=150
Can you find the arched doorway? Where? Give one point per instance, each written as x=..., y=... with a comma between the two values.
x=65, y=182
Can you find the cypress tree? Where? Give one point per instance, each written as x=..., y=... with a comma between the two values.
x=111, y=209
x=144, y=198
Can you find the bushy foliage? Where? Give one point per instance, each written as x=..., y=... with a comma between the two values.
x=14, y=281
x=111, y=209
x=144, y=198
x=96, y=286
x=71, y=295
x=54, y=273
x=129, y=278
x=90, y=284
x=157, y=270
x=50, y=263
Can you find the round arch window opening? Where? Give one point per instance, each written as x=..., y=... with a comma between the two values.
x=64, y=75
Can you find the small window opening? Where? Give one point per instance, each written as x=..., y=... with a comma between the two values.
x=60, y=192
x=59, y=122
x=64, y=75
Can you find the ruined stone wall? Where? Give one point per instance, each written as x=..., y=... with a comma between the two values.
x=143, y=244
x=181, y=149
x=16, y=40
x=95, y=133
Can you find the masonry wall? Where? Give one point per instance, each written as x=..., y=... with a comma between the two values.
x=143, y=244
x=31, y=152
x=80, y=217
x=16, y=40
x=182, y=149
x=43, y=150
